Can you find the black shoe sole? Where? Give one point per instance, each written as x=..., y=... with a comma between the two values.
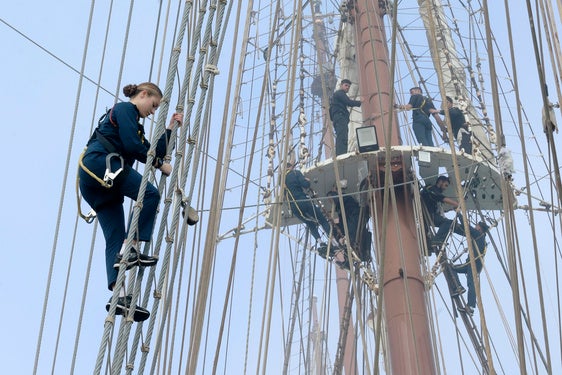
x=147, y=261
x=130, y=264
x=140, y=315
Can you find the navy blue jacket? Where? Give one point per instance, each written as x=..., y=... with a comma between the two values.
x=339, y=103
x=457, y=119
x=121, y=134
x=121, y=128
x=420, y=106
x=431, y=197
x=295, y=182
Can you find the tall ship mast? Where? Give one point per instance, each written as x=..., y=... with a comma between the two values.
x=248, y=289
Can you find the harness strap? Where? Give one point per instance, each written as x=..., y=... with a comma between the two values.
x=106, y=182
x=92, y=214
x=290, y=198
x=89, y=172
x=106, y=144
x=476, y=258
x=110, y=113
x=420, y=108
x=110, y=119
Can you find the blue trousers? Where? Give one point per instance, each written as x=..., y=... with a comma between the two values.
x=311, y=215
x=444, y=224
x=422, y=130
x=341, y=128
x=467, y=270
x=111, y=215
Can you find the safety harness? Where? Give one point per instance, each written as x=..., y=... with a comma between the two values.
x=420, y=108
x=480, y=255
x=290, y=198
x=109, y=176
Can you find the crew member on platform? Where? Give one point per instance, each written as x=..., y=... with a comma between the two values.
x=433, y=199
x=339, y=114
x=301, y=204
x=459, y=126
x=478, y=235
x=422, y=107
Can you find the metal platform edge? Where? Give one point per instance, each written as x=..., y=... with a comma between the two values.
x=480, y=179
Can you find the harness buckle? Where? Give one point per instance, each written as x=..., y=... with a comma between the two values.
x=90, y=216
x=109, y=176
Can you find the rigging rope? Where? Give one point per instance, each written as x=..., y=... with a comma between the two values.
x=157, y=294
x=293, y=317
x=291, y=74
x=125, y=323
x=462, y=205
x=62, y=194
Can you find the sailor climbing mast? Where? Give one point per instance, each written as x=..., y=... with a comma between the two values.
x=402, y=285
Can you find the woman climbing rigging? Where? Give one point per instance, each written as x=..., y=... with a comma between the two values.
x=107, y=177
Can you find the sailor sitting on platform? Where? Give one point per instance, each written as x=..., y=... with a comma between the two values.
x=301, y=203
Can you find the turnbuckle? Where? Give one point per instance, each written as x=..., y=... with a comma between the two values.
x=109, y=176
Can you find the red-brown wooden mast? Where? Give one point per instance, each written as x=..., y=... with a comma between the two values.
x=409, y=340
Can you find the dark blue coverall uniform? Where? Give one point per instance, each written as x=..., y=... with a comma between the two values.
x=125, y=135
x=339, y=115
x=301, y=204
x=421, y=123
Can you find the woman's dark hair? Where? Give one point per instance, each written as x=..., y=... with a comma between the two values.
x=132, y=90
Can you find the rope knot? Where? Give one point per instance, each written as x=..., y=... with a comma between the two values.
x=211, y=68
